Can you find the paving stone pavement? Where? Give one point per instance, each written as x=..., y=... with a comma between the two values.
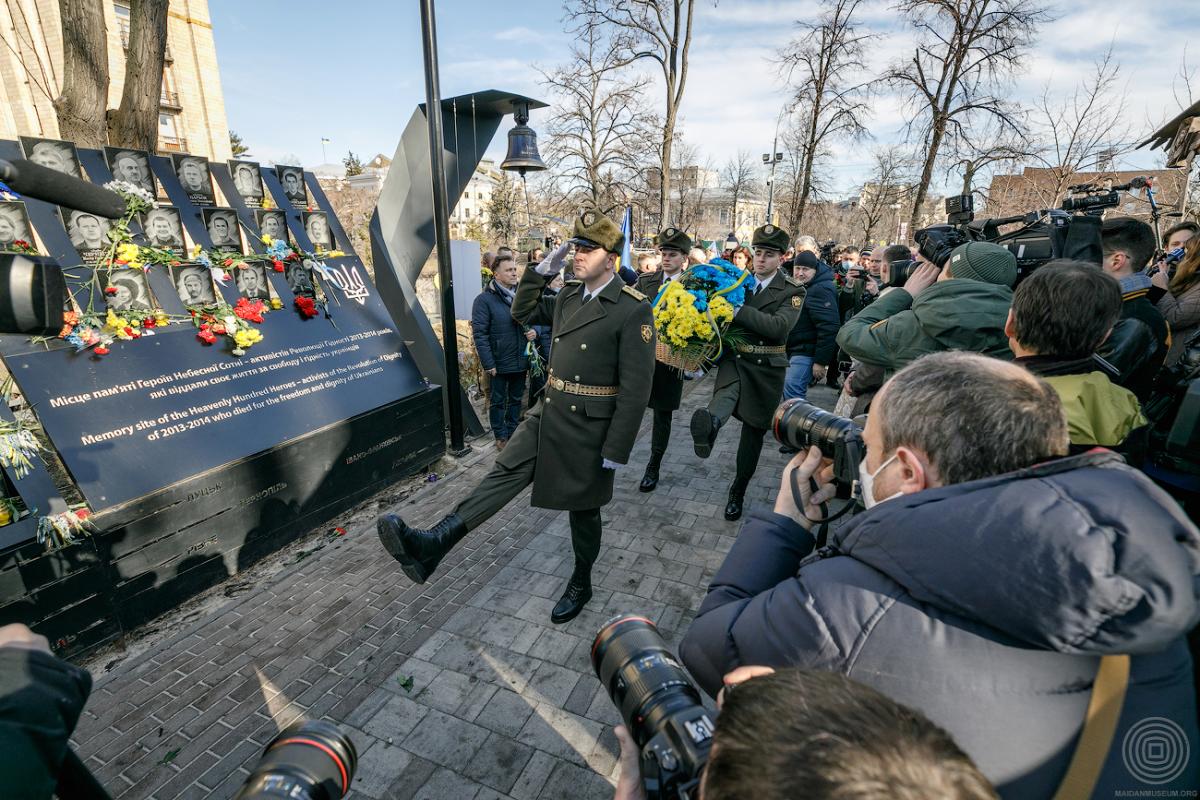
x=502, y=704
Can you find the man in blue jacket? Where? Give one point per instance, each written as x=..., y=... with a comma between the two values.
x=984, y=585
x=500, y=342
x=813, y=340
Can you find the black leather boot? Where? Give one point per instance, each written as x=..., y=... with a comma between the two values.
x=576, y=596
x=650, y=479
x=737, y=497
x=704, y=431
x=419, y=551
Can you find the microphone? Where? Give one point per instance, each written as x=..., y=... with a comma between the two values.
x=1140, y=182
x=42, y=183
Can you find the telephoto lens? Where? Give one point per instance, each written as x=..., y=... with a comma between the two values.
x=660, y=705
x=307, y=761
x=800, y=425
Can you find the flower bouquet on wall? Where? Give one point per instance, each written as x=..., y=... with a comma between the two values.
x=692, y=313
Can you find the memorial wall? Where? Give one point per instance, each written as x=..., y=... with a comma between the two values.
x=228, y=378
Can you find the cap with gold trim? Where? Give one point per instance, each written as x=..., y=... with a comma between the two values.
x=771, y=236
x=593, y=229
x=674, y=239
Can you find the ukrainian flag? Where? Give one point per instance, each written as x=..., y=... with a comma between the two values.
x=625, y=261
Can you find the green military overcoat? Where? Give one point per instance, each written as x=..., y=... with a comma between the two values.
x=608, y=341
x=666, y=391
x=765, y=320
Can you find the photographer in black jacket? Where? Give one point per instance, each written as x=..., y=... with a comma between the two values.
x=41, y=698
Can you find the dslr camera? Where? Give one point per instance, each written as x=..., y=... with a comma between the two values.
x=659, y=704
x=799, y=424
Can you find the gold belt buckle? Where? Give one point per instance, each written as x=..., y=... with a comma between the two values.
x=558, y=383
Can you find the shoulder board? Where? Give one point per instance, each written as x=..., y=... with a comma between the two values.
x=790, y=280
x=634, y=292
x=573, y=282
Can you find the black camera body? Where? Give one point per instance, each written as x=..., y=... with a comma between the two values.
x=937, y=242
x=659, y=704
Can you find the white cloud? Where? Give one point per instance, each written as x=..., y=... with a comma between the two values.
x=518, y=34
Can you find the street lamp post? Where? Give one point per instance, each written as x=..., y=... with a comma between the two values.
x=441, y=228
x=772, y=158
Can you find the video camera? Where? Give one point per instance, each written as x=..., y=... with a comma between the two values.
x=33, y=293
x=1070, y=231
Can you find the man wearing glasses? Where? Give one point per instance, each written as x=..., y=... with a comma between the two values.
x=750, y=375
x=600, y=371
x=667, y=390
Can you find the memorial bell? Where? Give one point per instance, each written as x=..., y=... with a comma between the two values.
x=523, y=153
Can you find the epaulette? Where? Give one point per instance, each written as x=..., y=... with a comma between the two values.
x=634, y=292
x=573, y=282
x=789, y=279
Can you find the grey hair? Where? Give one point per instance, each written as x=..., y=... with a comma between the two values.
x=972, y=416
x=807, y=243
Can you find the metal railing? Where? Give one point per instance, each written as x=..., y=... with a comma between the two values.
x=124, y=32
x=169, y=100
x=172, y=144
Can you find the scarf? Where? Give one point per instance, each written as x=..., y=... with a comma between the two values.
x=505, y=293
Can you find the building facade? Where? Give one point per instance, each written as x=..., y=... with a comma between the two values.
x=191, y=106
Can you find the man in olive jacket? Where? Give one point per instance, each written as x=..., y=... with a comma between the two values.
x=570, y=444
x=963, y=308
x=750, y=376
x=667, y=390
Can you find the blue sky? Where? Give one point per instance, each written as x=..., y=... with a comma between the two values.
x=357, y=73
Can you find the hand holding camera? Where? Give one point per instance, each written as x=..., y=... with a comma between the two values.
x=925, y=276
x=805, y=469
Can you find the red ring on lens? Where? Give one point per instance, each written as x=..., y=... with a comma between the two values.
x=327, y=751
x=615, y=623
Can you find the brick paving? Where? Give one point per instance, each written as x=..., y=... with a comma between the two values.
x=501, y=704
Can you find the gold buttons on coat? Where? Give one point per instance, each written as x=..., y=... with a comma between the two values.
x=577, y=379
x=572, y=408
x=583, y=346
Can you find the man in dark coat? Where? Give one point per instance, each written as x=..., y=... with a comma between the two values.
x=500, y=342
x=983, y=585
x=569, y=446
x=813, y=339
x=667, y=390
x=750, y=376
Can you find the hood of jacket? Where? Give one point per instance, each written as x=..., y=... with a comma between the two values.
x=964, y=315
x=1079, y=555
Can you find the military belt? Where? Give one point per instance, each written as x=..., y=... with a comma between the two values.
x=569, y=387
x=764, y=349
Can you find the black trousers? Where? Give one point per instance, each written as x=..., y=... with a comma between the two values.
x=750, y=446
x=660, y=436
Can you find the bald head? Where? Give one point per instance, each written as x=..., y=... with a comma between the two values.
x=972, y=416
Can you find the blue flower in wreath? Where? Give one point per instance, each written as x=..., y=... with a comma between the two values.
x=76, y=341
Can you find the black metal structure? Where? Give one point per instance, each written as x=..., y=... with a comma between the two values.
x=403, y=227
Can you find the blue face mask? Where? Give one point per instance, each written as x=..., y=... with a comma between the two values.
x=847, y=265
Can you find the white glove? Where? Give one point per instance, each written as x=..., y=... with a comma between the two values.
x=693, y=375
x=553, y=262
x=611, y=464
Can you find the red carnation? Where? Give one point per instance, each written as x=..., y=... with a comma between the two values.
x=174, y=263
x=148, y=322
x=128, y=331
x=307, y=307
x=206, y=337
x=101, y=351
x=82, y=513
x=110, y=290
x=227, y=262
x=278, y=265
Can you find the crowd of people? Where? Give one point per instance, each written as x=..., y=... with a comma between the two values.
x=1012, y=610
x=1020, y=558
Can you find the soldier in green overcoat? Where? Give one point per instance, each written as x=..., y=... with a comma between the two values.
x=750, y=376
x=571, y=443
x=667, y=390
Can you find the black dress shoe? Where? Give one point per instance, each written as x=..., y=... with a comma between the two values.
x=572, y=602
x=733, y=509
x=419, y=551
x=704, y=432
x=650, y=479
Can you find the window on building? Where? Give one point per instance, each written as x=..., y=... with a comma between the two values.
x=480, y=196
x=122, y=12
x=724, y=216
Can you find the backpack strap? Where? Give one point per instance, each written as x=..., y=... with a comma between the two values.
x=1099, y=728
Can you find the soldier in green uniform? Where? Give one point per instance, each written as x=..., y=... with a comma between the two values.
x=750, y=377
x=570, y=444
x=673, y=246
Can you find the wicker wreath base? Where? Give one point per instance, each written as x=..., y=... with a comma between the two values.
x=684, y=362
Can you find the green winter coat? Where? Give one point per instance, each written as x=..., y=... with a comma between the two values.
x=953, y=314
x=1098, y=411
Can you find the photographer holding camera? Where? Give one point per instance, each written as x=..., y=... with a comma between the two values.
x=988, y=581
x=1180, y=302
x=782, y=731
x=959, y=301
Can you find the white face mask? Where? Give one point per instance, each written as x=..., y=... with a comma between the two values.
x=866, y=482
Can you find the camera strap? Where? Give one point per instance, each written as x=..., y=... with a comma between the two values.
x=1099, y=728
x=822, y=532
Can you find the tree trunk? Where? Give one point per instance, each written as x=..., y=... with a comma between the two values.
x=935, y=143
x=664, y=177
x=135, y=123
x=81, y=105
x=810, y=155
